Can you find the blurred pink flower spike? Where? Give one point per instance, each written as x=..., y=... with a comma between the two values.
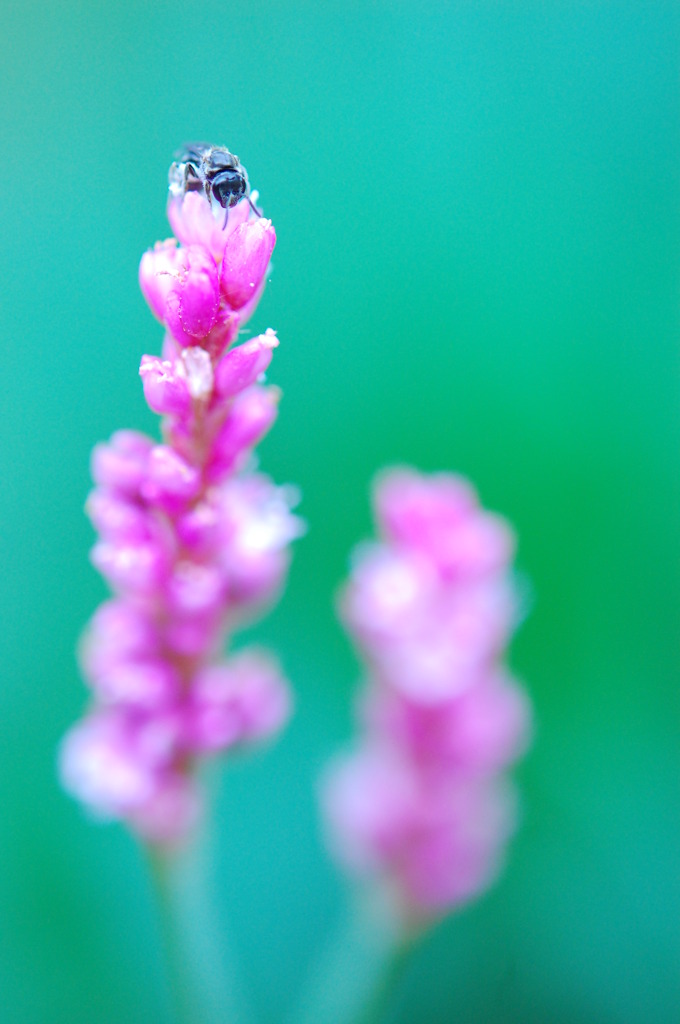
x=191, y=541
x=422, y=801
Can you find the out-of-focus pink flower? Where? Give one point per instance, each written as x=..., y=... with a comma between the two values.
x=422, y=799
x=238, y=701
x=191, y=541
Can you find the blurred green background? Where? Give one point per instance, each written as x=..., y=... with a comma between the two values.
x=478, y=214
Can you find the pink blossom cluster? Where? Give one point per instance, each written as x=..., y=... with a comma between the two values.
x=422, y=800
x=193, y=541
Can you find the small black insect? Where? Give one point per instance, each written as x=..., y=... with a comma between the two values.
x=212, y=170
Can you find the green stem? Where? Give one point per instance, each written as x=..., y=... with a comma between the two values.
x=172, y=940
x=378, y=1003
x=354, y=977
x=202, y=987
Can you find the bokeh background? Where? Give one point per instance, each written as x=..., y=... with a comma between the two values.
x=478, y=214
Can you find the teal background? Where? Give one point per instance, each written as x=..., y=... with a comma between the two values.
x=477, y=207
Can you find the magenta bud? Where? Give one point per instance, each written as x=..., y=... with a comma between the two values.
x=166, y=390
x=137, y=568
x=421, y=511
x=197, y=529
x=157, y=274
x=192, y=636
x=193, y=300
x=147, y=682
x=121, y=464
x=241, y=367
x=193, y=221
x=195, y=589
x=98, y=763
x=118, y=630
x=170, y=478
x=243, y=699
x=115, y=518
x=251, y=416
x=245, y=261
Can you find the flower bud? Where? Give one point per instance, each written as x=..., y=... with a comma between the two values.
x=166, y=390
x=245, y=261
x=170, y=480
x=193, y=300
x=242, y=366
x=243, y=699
x=145, y=683
x=195, y=589
x=422, y=512
x=131, y=568
x=117, y=631
x=157, y=273
x=115, y=518
x=194, y=221
x=121, y=464
x=99, y=764
x=251, y=416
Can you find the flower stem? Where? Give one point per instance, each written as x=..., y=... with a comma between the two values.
x=379, y=1000
x=354, y=978
x=172, y=939
x=203, y=988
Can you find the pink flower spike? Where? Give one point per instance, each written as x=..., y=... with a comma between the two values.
x=166, y=391
x=243, y=365
x=245, y=261
x=193, y=300
x=422, y=800
x=191, y=540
